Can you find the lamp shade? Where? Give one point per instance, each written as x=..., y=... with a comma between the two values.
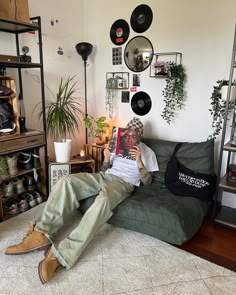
x=84, y=49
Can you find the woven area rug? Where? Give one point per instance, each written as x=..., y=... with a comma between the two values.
x=117, y=261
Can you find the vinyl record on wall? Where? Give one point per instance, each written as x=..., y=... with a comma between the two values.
x=119, y=32
x=141, y=103
x=141, y=18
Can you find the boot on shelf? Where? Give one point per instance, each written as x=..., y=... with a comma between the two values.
x=12, y=164
x=8, y=189
x=25, y=160
x=18, y=185
x=36, y=158
x=29, y=183
x=3, y=168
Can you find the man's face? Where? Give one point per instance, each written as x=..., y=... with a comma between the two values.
x=131, y=138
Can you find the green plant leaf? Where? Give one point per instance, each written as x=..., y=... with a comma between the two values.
x=63, y=116
x=174, y=90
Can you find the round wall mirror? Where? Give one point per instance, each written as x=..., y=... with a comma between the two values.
x=138, y=54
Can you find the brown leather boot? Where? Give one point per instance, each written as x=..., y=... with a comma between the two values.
x=47, y=267
x=34, y=240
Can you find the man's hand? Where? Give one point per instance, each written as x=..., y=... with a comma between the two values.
x=107, y=154
x=136, y=153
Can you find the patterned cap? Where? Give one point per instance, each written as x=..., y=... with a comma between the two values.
x=136, y=124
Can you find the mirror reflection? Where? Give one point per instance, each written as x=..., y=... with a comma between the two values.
x=138, y=54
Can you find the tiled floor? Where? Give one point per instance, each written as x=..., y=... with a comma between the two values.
x=117, y=261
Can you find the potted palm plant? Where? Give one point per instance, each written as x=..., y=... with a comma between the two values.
x=63, y=117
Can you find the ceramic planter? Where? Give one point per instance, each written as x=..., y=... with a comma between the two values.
x=62, y=150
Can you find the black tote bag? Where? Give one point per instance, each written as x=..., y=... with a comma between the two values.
x=183, y=181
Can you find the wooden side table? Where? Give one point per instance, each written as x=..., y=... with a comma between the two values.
x=82, y=161
x=77, y=162
x=96, y=152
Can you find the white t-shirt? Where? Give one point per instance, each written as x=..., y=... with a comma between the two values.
x=127, y=169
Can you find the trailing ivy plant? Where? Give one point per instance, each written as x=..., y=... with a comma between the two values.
x=174, y=90
x=217, y=109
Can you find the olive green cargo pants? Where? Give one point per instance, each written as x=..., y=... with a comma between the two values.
x=64, y=200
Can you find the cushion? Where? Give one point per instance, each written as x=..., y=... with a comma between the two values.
x=153, y=210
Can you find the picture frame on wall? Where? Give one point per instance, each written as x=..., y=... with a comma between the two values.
x=125, y=96
x=136, y=80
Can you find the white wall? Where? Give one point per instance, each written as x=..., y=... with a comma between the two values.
x=202, y=30
x=66, y=34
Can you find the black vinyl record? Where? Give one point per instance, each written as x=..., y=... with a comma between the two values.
x=141, y=18
x=141, y=103
x=119, y=32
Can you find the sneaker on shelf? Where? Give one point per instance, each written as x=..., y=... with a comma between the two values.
x=30, y=199
x=18, y=185
x=10, y=209
x=36, y=158
x=24, y=160
x=22, y=204
x=3, y=168
x=8, y=189
x=29, y=183
x=12, y=164
x=38, y=181
x=37, y=197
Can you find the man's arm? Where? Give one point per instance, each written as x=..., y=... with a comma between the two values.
x=145, y=176
x=106, y=163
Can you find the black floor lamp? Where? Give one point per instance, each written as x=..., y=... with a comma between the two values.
x=84, y=49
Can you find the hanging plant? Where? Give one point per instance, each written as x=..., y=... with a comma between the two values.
x=109, y=100
x=174, y=90
x=111, y=84
x=217, y=110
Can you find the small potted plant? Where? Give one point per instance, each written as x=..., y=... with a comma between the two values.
x=159, y=68
x=97, y=127
x=62, y=117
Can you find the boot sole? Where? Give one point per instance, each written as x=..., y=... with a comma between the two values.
x=45, y=247
x=39, y=271
x=40, y=274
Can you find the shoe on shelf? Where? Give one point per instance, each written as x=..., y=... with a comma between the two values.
x=29, y=183
x=24, y=160
x=12, y=164
x=36, y=158
x=10, y=209
x=8, y=189
x=3, y=168
x=18, y=185
x=30, y=199
x=37, y=197
x=38, y=181
x=22, y=204
x=34, y=240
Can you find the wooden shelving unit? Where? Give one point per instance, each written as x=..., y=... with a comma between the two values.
x=222, y=214
x=18, y=142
